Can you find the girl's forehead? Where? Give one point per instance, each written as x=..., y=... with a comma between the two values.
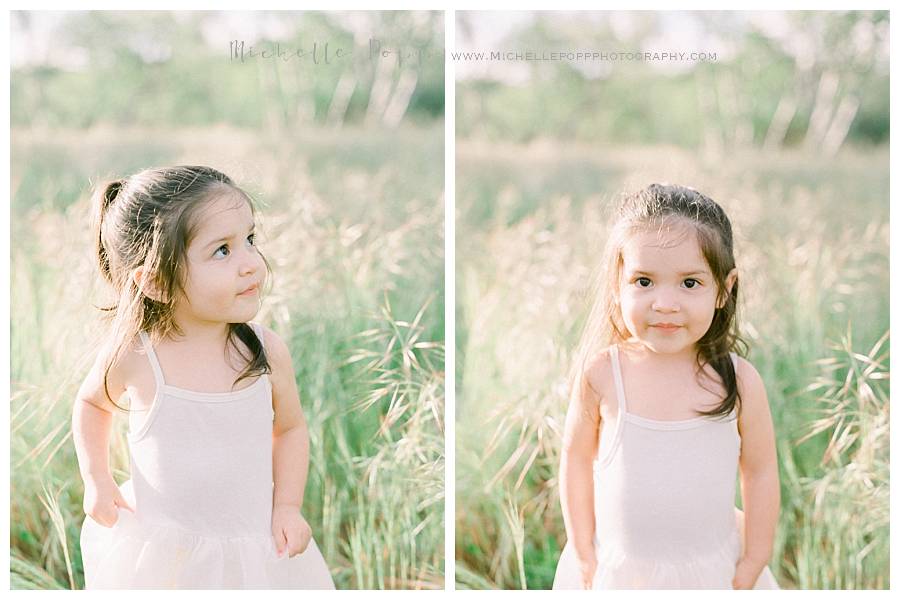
x=676, y=246
x=223, y=210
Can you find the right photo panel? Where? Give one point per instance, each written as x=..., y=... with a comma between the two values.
x=672, y=312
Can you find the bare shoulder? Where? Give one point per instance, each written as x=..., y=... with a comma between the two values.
x=747, y=376
x=134, y=360
x=586, y=412
x=751, y=387
x=598, y=372
x=110, y=376
x=285, y=395
x=278, y=353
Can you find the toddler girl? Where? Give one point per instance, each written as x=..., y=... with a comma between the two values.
x=663, y=414
x=218, y=443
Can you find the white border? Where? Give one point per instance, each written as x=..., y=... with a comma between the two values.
x=449, y=303
x=5, y=367
x=449, y=195
x=893, y=292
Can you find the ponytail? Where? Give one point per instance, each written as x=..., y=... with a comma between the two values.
x=102, y=201
x=145, y=219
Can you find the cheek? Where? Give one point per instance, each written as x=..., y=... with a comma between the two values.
x=705, y=311
x=631, y=298
x=630, y=307
x=708, y=302
x=261, y=264
x=205, y=284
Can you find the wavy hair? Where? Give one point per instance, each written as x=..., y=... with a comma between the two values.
x=654, y=207
x=148, y=220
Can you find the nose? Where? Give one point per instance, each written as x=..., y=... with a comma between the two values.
x=665, y=302
x=251, y=262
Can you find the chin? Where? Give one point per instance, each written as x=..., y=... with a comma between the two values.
x=663, y=347
x=243, y=317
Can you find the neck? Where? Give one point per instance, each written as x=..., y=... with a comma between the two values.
x=211, y=333
x=688, y=355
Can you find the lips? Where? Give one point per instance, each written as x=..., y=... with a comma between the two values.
x=250, y=290
x=666, y=326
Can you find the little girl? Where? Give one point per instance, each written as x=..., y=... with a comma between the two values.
x=662, y=419
x=217, y=438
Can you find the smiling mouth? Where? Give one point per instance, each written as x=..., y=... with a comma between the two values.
x=666, y=326
x=250, y=290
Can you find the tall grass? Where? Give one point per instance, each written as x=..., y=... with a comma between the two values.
x=812, y=250
x=352, y=223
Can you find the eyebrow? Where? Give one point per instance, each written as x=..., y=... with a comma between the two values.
x=226, y=238
x=685, y=274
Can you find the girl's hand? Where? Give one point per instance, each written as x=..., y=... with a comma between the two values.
x=290, y=529
x=746, y=573
x=587, y=566
x=102, y=499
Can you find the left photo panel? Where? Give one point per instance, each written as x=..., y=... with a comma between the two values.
x=227, y=300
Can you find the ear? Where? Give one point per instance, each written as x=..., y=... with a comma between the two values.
x=729, y=284
x=144, y=283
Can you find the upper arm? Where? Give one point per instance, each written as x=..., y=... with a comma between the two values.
x=99, y=393
x=583, y=416
x=285, y=397
x=754, y=421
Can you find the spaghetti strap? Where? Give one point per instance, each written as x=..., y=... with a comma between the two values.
x=617, y=377
x=154, y=362
x=663, y=501
x=609, y=442
x=201, y=486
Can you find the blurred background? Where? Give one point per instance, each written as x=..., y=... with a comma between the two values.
x=344, y=154
x=785, y=122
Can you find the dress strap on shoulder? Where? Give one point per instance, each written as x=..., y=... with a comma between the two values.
x=151, y=356
x=617, y=377
x=610, y=439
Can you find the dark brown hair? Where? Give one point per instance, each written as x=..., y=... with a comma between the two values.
x=660, y=206
x=148, y=219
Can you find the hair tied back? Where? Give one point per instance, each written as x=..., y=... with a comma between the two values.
x=110, y=193
x=106, y=198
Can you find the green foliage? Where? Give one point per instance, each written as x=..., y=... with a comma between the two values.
x=727, y=101
x=174, y=69
x=355, y=239
x=812, y=251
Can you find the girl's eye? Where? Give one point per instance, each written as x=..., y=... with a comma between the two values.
x=691, y=283
x=643, y=282
x=252, y=239
x=221, y=251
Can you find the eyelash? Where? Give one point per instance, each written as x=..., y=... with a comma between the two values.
x=696, y=281
x=251, y=237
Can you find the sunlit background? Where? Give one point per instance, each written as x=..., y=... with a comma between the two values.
x=787, y=128
x=344, y=155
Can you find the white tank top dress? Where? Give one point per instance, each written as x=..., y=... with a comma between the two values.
x=202, y=488
x=663, y=504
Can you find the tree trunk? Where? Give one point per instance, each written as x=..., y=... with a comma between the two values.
x=380, y=92
x=396, y=108
x=781, y=120
x=823, y=108
x=340, y=99
x=840, y=125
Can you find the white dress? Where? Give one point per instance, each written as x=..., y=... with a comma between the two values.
x=202, y=490
x=664, y=505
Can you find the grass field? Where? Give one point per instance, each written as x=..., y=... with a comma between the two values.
x=812, y=250
x=352, y=222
